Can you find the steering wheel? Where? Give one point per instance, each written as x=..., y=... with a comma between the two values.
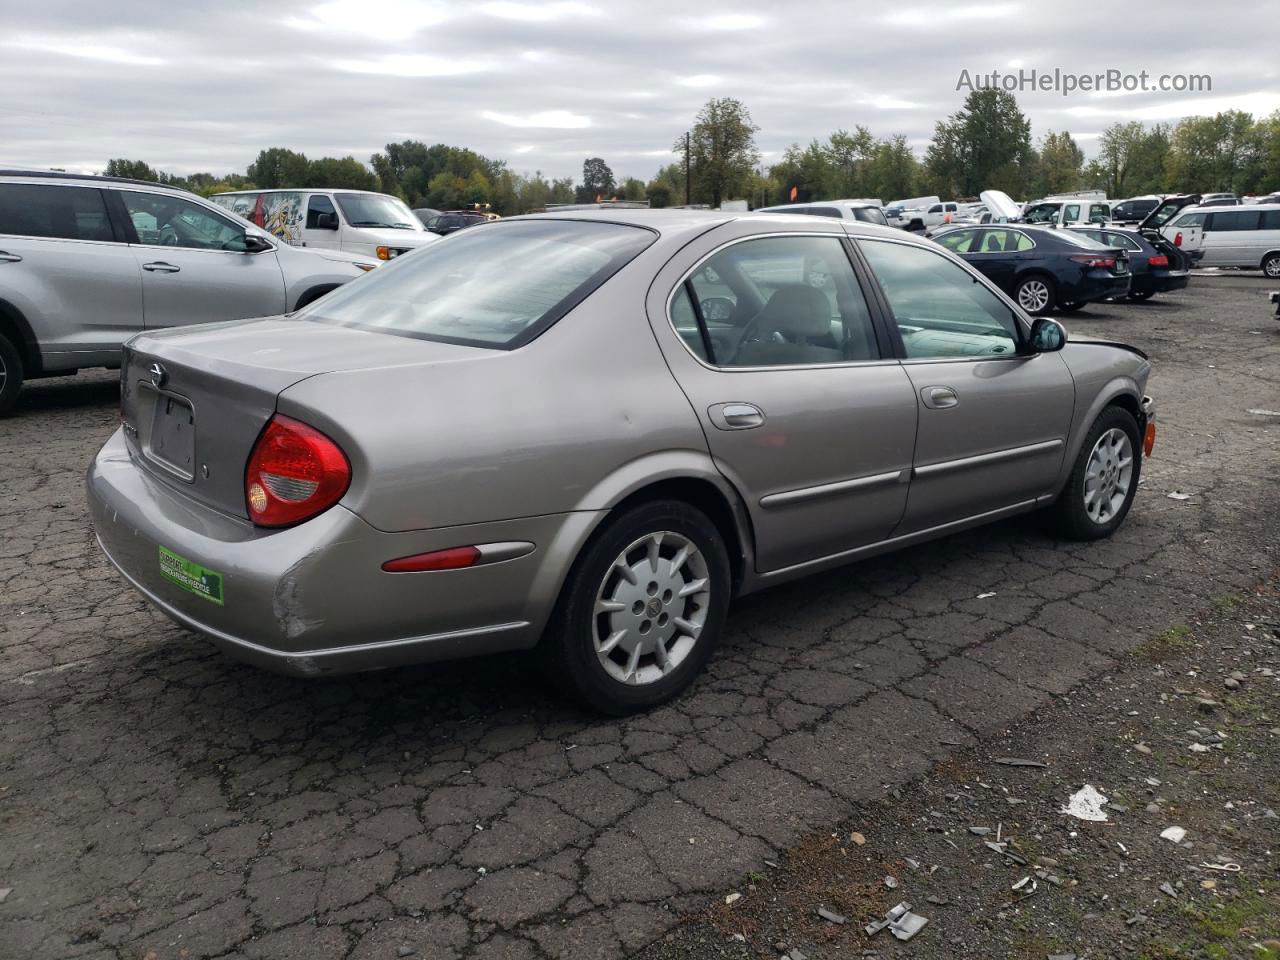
x=716, y=308
x=168, y=236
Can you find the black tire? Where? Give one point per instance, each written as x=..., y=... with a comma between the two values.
x=11, y=373
x=1069, y=514
x=1142, y=295
x=568, y=652
x=1040, y=278
x=1271, y=266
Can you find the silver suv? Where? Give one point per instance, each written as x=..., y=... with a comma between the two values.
x=86, y=262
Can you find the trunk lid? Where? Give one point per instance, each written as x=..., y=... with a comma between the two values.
x=1000, y=204
x=194, y=400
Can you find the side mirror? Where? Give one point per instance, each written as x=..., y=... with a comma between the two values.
x=326, y=221
x=1047, y=335
x=256, y=244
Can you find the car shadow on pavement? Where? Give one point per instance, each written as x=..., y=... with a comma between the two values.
x=61, y=393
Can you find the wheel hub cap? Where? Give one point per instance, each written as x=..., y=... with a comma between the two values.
x=650, y=608
x=1108, y=475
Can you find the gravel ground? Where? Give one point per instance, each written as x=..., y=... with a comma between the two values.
x=159, y=800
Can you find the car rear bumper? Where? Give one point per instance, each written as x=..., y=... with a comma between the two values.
x=313, y=599
x=1097, y=285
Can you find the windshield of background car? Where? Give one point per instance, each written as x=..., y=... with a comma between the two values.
x=1041, y=213
x=498, y=285
x=373, y=210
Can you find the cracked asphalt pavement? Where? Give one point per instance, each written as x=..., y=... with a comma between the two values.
x=159, y=800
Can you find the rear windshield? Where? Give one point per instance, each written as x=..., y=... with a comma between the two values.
x=495, y=285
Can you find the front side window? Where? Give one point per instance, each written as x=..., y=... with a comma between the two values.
x=941, y=309
x=957, y=241
x=499, y=286
x=1098, y=212
x=1041, y=213
x=1072, y=213
x=241, y=204
x=45, y=210
x=783, y=301
x=685, y=320
x=164, y=220
x=318, y=205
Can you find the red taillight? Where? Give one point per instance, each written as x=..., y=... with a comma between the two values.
x=455, y=558
x=294, y=472
x=1177, y=241
x=1160, y=260
x=1107, y=262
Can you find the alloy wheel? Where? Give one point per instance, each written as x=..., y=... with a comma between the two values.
x=1108, y=475
x=1272, y=267
x=1033, y=296
x=651, y=608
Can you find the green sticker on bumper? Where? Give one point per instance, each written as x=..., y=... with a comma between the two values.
x=191, y=576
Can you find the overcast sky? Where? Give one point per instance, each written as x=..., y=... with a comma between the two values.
x=196, y=86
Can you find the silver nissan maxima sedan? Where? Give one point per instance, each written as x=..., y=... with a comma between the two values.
x=586, y=433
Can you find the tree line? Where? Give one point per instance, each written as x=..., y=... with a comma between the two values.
x=985, y=144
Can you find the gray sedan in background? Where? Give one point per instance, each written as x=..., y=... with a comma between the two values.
x=586, y=433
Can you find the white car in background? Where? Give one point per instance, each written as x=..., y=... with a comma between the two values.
x=868, y=211
x=357, y=221
x=902, y=213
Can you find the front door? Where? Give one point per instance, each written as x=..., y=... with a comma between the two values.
x=993, y=421
x=773, y=343
x=321, y=227
x=193, y=264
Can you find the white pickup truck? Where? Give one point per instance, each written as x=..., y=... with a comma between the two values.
x=919, y=213
x=1069, y=209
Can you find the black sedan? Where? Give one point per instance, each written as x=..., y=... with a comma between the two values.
x=1042, y=268
x=1155, y=264
x=451, y=221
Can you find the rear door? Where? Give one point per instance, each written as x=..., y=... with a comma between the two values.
x=66, y=269
x=800, y=410
x=194, y=266
x=997, y=253
x=993, y=422
x=1231, y=238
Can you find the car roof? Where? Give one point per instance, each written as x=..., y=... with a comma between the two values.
x=85, y=178
x=231, y=193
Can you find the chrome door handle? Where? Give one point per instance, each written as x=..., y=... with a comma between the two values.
x=160, y=266
x=7, y=257
x=939, y=398
x=735, y=416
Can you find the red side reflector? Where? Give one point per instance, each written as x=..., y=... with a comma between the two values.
x=1149, y=441
x=455, y=558
x=1177, y=241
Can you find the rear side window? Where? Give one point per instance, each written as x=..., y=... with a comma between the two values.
x=498, y=286
x=1121, y=241
x=1072, y=213
x=821, y=212
x=1236, y=220
x=1271, y=219
x=44, y=210
x=1191, y=220
x=870, y=215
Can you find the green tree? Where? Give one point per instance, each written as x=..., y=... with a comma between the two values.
x=345, y=172
x=658, y=194
x=1212, y=153
x=986, y=144
x=133, y=170
x=1059, y=164
x=893, y=172
x=848, y=157
x=279, y=167
x=722, y=150
x=597, y=181
x=1131, y=159
x=631, y=189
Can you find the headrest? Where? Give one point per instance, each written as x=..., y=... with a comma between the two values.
x=797, y=310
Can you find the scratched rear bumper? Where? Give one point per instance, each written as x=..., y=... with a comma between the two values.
x=313, y=599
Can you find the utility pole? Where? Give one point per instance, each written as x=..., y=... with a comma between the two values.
x=687, y=185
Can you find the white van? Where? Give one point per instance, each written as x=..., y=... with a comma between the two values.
x=357, y=221
x=868, y=211
x=1246, y=237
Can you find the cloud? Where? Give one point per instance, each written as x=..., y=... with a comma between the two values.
x=728, y=22
x=87, y=51
x=413, y=65
x=547, y=119
x=699, y=80
x=386, y=20
x=536, y=12
x=919, y=15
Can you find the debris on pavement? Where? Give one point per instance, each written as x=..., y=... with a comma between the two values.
x=1178, y=495
x=902, y=923
x=1087, y=804
x=1018, y=762
x=891, y=882
x=985, y=596
x=831, y=916
x=857, y=838
x=4, y=893
x=1167, y=889
x=733, y=898
x=1175, y=834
